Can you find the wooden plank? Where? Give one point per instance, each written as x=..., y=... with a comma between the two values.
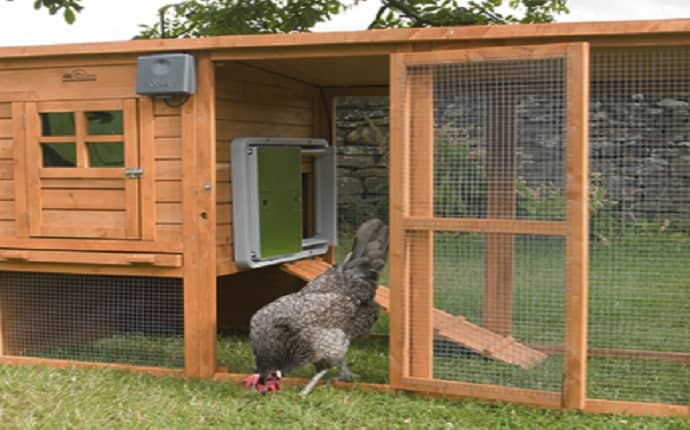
x=82, y=152
x=7, y=210
x=167, y=147
x=83, y=230
x=32, y=165
x=79, y=218
x=82, y=184
x=397, y=282
x=5, y=110
x=147, y=183
x=78, y=172
x=577, y=239
x=453, y=328
x=93, y=269
x=501, y=198
x=167, y=126
x=483, y=225
x=168, y=170
x=133, y=213
x=5, y=128
x=74, y=364
x=6, y=189
x=199, y=214
x=622, y=354
x=83, y=199
x=619, y=407
x=79, y=106
x=98, y=258
x=112, y=82
x=500, y=393
x=161, y=246
x=231, y=129
x=342, y=40
x=247, y=111
x=169, y=213
x=6, y=148
x=20, y=175
x=244, y=92
x=8, y=229
x=421, y=203
x=6, y=169
x=168, y=191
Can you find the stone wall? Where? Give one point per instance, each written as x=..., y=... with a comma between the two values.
x=640, y=147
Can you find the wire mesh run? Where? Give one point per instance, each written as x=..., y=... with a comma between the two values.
x=466, y=345
x=131, y=320
x=639, y=320
x=499, y=139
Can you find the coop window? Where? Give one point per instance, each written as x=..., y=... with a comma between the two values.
x=106, y=154
x=82, y=138
x=281, y=213
x=59, y=154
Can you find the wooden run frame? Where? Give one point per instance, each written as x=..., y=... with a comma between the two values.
x=413, y=225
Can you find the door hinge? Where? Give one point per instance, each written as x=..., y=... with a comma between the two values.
x=134, y=172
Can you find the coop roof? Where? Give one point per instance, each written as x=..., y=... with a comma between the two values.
x=360, y=58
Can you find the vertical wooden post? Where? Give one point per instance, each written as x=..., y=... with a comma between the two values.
x=397, y=283
x=132, y=186
x=146, y=162
x=421, y=244
x=20, y=174
x=577, y=239
x=501, y=175
x=199, y=219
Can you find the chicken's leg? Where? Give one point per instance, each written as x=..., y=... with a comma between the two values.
x=314, y=380
x=345, y=373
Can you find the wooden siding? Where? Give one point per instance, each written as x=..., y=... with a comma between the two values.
x=252, y=102
x=168, y=172
x=7, y=204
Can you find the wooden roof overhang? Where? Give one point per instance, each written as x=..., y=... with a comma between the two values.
x=359, y=58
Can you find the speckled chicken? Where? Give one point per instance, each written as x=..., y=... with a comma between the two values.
x=318, y=323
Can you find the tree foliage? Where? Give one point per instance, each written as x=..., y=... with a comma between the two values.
x=69, y=8
x=196, y=18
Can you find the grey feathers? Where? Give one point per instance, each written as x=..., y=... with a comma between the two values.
x=318, y=323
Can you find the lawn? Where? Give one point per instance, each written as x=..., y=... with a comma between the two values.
x=43, y=398
x=639, y=299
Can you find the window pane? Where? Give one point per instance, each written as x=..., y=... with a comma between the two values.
x=106, y=154
x=57, y=124
x=59, y=154
x=104, y=122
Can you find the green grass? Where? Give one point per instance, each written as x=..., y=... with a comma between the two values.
x=43, y=398
x=639, y=299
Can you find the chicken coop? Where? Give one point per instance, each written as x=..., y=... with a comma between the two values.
x=155, y=193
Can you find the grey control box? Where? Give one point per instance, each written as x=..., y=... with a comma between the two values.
x=166, y=75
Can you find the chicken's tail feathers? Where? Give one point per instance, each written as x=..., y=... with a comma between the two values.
x=369, y=250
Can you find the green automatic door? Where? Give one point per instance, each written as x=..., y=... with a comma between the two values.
x=280, y=202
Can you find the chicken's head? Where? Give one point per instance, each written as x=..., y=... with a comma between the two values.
x=264, y=383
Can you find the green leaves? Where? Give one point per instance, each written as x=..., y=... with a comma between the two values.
x=428, y=13
x=69, y=8
x=198, y=18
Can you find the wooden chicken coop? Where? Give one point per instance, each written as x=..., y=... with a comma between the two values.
x=153, y=192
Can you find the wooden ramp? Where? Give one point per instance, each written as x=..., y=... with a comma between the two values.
x=449, y=327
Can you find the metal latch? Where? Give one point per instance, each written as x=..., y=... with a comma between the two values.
x=134, y=172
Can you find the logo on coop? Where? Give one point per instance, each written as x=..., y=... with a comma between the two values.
x=78, y=75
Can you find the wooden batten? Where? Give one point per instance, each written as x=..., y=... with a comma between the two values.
x=577, y=218
x=501, y=196
x=199, y=224
x=421, y=203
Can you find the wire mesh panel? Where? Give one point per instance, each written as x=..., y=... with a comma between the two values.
x=111, y=319
x=639, y=322
x=464, y=349
x=483, y=215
